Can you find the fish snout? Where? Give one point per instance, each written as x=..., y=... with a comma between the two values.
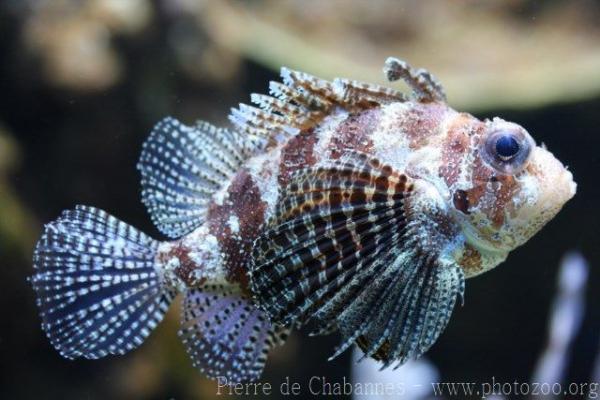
x=555, y=180
x=546, y=186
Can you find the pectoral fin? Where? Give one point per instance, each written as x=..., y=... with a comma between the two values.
x=341, y=251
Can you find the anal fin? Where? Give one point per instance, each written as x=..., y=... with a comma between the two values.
x=226, y=335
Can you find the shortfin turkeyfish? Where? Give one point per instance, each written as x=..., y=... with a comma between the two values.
x=352, y=206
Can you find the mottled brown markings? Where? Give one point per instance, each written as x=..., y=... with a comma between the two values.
x=506, y=188
x=495, y=202
x=354, y=133
x=420, y=121
x=245, y=203
x=457, y=146
x=481, y=174
x=186, y=268
x=471, y=260
x=297, y=153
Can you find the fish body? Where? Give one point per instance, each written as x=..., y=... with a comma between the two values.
x=343, y=203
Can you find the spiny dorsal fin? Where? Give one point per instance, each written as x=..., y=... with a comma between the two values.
x=302, y=101
x=183, y=166
x=339, y=247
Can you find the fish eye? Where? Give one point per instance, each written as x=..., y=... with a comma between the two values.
x=507, y=147
x=507, y=150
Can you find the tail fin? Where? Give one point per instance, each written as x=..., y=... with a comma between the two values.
x=97, y=287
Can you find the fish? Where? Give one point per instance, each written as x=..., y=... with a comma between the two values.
x=351, y=207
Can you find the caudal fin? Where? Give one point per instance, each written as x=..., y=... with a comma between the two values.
x=97, y=287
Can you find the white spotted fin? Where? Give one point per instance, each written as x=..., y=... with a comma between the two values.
x=226, y=335
x=97, y=286
x=101, y=288
x=182, y=167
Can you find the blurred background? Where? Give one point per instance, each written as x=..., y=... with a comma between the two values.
x=83, y=82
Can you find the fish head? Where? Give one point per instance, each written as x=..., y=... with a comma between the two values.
x=508, y=188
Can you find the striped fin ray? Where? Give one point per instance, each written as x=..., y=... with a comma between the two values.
x=413, y=314
x=183, y=166
x=226, y=335
x=340, y=246
x=96, y=284
x=361, y=94
x=332, y=221
x=301, y=101
x=336, y=274
x=414, y=297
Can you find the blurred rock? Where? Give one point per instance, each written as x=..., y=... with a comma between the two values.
x=516, y=53
x=73, y=38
